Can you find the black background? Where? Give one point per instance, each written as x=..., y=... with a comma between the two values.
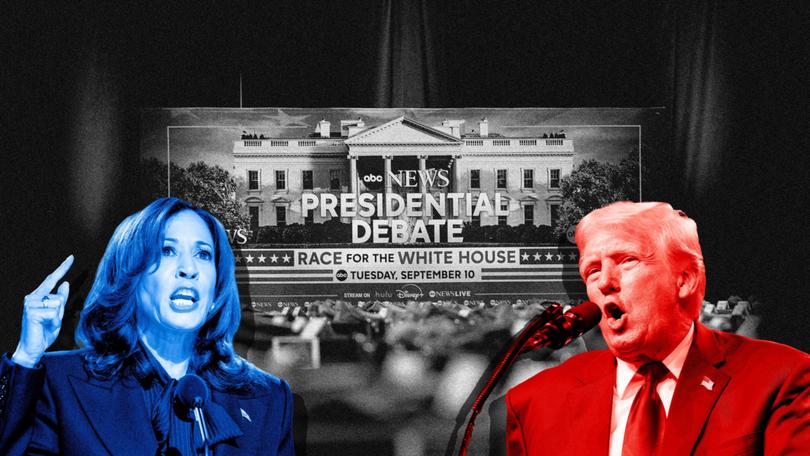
x=85, y=71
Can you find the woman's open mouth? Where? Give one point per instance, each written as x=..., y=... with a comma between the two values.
x=184, y=299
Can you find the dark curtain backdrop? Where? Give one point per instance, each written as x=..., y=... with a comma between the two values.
x=731, y=77
x=409, y=56
x=739, y=110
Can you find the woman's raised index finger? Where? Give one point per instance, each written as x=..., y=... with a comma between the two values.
x=53, y=278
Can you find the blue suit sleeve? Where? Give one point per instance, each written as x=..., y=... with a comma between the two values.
x=286, y=446
x=25, y=413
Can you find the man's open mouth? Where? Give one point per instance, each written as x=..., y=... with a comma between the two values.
x=615, y=317
x=613, y=311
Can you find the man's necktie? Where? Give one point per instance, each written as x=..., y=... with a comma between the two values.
x=647, y=419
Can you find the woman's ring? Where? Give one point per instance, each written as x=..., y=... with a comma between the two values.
x=45, y=300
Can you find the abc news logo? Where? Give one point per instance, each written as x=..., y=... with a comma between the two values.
x=372, y=178
x=412, y=178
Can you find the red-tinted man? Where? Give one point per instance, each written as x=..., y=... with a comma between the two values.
x=668, y=385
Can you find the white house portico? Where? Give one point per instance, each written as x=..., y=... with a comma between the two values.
x=403, y=156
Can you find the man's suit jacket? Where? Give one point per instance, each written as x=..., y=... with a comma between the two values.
x=58, y=408
x=735, y=396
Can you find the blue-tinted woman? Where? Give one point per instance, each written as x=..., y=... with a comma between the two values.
x=164, y=307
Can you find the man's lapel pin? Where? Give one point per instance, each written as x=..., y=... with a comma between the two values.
x=707, y=383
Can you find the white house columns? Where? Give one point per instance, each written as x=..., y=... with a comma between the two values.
x=387, y=185
x=352, y=173
x=456, y=174
x=422, y=187
x=387, y=173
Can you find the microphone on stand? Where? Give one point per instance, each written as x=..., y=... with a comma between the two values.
x=192, y=393
x=553, y=329
x=562, y=329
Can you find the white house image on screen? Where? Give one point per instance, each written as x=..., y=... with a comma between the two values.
x=525, y=171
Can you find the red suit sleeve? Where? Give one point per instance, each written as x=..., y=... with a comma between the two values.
x=788, y=429
x=515, y=444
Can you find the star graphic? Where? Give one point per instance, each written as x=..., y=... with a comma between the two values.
x=249, y=258
x=286, y=258
x=536, y=256
x=572, y=256
x=238, y=258
x=525, y=256
x=559, y=257
x=274, y=258
x=549, y=256
x=262, y=258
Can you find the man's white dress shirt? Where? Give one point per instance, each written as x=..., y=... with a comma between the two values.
x=628, y=384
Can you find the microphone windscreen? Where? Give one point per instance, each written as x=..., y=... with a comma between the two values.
x=588, y=313
x=191, y=391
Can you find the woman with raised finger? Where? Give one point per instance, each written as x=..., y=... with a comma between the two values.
x=156, y=373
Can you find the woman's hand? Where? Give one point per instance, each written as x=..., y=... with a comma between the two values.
x=42, y=317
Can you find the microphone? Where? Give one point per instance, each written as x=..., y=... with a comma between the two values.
x=553, y=329
x=192, y=393
x=562, y=329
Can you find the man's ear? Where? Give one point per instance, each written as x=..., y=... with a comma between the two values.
x=687, y=282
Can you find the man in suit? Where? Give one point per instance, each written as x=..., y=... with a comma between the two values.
x=667, y=385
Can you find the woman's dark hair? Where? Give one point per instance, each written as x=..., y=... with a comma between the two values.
x=108, y=327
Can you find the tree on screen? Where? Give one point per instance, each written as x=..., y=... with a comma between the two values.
x=594, y=184
x=209, y=187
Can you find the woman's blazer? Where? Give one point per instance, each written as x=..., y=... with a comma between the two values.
x=59, y=408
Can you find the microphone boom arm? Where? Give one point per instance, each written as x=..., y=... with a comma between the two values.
x=528, y=339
